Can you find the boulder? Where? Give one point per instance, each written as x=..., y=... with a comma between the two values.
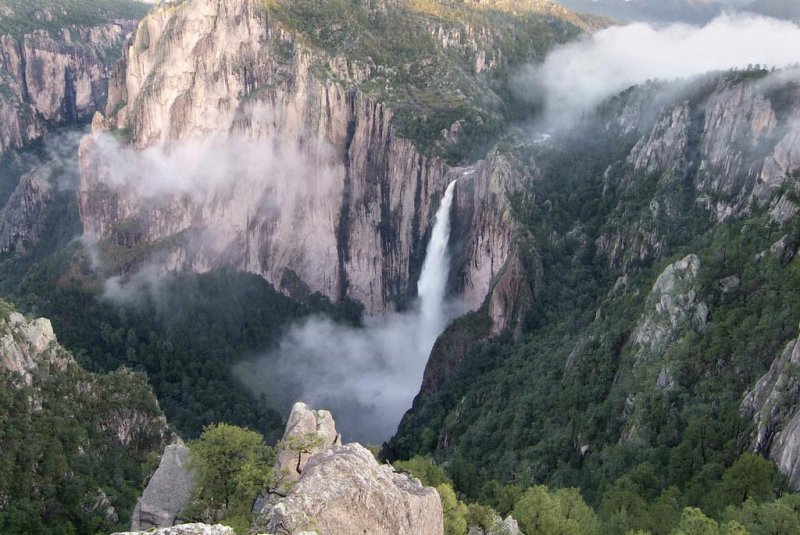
x=328, y=488
x=167, y=492
x=308, y=432
x=185, y=529
x=344, y=491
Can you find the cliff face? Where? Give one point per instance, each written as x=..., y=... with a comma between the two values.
x=707, y=167
x=53, y=75
x=718, y=146
x=773, y=406
x=55, y=61
x=317, y=184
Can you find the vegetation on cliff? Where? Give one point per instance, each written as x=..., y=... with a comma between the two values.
x=73, y=442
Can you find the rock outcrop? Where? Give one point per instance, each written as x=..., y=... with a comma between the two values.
x=340, y=202
x=60, y=414
x=28, y=347
x=726, y=143
x=774, y=406
x=185, y=529
x=167, y=492
x=341, y=489
x=22, y=218
x=308, y=432
x=671, y=308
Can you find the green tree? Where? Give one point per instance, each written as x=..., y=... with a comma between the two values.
x=750, y=477
x=425, y=470
x=771, y=518
x=561, y=513
x=455, y=511
x=231, y=466
x=694, y=522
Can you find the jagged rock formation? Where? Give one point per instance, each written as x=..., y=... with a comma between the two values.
x=167, y=492
x=185, y=529
x=341, y=489
x=55, y=62
x=672, y=307
x=231, y=74
x=28, y=347
x=57, y=414
x=308, y=432
x=722, y=145
x=22, y=218
x=774, y=406
x=56, y=72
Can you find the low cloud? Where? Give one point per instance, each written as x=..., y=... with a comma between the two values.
x=367, y=376
x=576, y=77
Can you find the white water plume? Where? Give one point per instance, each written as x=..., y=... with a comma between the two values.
x=367, y=376
x=432, y=284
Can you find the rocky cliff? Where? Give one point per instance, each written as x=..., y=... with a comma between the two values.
x=296, y=163
x=55, y=61
x=717, y=146
x=773, y=406
x=332, y=488
x=614, y=206
x=59, y=417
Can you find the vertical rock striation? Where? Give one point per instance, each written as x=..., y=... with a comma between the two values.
x=340, y=202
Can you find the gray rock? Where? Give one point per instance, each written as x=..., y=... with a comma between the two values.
x=672, y=308
x=729, y=284
x=168, y=491
x=773, y=406
x=344, y=491
x=185, y=529
x=308, y=432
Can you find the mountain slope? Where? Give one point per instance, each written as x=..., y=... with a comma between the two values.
x=73, y=441
x=667, y=234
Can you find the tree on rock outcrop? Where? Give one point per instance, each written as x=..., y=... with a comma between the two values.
x=560, y=513
x=231, y=465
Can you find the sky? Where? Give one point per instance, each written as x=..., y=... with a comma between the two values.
x=577, y=76
x=663, y=11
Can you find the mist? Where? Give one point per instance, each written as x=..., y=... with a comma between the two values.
x=366, y=376
x=576, y=77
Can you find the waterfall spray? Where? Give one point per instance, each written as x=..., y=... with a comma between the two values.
x=432, y=283
x=367, y=376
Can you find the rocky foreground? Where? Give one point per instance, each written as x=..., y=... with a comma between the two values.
x=326, y=487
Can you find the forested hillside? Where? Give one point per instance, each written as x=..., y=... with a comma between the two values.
x=626, y=361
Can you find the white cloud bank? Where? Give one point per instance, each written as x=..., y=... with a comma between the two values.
x=576, y=77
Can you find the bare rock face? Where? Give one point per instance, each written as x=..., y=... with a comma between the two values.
x=672, y=308
x=330, y=488
x=730, y=143
x=185, y=529
x=308, y=432
x=316, y=185
x=28, y=346
x=22, y=218
x=773, y=407
x=167, y=492
x=54, y=77
x=344, y=491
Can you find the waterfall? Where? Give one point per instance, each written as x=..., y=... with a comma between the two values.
x=367, y=376
x=432, y=283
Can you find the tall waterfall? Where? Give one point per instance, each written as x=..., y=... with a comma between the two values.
x=433, y=280
x=367, y=376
